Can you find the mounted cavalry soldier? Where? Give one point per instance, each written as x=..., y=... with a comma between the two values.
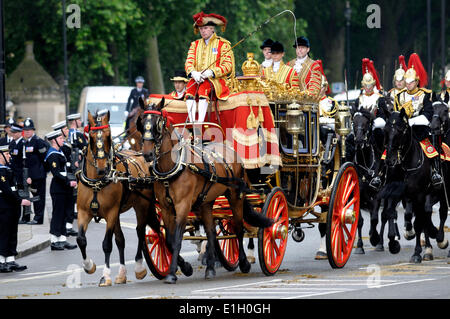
x=398, y=82
x=416, y=101
x=179, y=83
x=307, y=69
x=371, y=101
x=10, y=203
x=209, y=61
x=60, y=190
x=133, y=99
x=278, y=71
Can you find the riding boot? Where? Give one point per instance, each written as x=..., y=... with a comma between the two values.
x=191, y=108
x=202, y=108
x=436, y=178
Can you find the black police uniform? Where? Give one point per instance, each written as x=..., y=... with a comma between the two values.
x=9, y=217
x=78, y=141
x=6, y=140
x=16, y=164
x=70, y=208
x=60, y=191
x=35, y=152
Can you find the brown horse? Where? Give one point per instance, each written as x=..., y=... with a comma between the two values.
x=133, y=136
x=100, y=197
x=183, y=185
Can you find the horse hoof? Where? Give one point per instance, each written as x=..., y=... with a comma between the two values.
x=359, y=251
x=394, y=247
x=428, y=257
x=141, y=274
x=409, y=235
x=416, y=259
x=120, y=280
x=170, y=279
x=443, y=244
x=105, y=282
x=92, y=270
x=251, y=259
x=379, y=247
x=210, y=274
x=187, y=269
x=245, y=266
x=320, y=255
x=374, y=239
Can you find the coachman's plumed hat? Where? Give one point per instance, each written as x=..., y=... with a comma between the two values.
x=202, y=19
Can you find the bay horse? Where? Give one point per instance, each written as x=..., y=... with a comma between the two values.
x=409, y=178
x=132, y=134
x=367, y=159
x=182, y=186
x=99, y=197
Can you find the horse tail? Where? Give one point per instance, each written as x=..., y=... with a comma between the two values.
x=251, y=216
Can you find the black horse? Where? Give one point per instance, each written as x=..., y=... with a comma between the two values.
x=409, y=178
x=367, y=158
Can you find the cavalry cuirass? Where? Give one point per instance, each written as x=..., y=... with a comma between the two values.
x=413, y=103
x=369, y=102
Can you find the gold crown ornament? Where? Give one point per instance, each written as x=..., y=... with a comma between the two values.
x=250, y=67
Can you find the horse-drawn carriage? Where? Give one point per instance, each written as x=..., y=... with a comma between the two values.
x=294, y=178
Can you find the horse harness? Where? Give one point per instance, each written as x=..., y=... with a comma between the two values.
x=183, y=148
x=112, y=174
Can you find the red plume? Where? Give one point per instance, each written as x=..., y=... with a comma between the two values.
x=367, y=66
x=414, y=62
x=323, y=73
x=401, y=60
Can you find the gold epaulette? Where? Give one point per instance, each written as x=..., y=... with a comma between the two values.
x=223, y=40
x=425, y=90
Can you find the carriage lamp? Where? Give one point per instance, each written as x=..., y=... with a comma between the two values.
x=295, y=119
x=343, y=124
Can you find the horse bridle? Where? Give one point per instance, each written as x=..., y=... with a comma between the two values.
x=399, y=157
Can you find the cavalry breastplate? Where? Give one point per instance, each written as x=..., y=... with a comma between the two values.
x=414, y=102
x=369, y=102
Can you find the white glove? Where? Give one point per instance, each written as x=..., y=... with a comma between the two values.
x=207, y=74
x=197, y=76
x=418, y=120
x=379, y=123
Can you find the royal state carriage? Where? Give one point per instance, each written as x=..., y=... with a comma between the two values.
x=275, y=131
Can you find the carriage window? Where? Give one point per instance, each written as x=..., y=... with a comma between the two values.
x=286, y=139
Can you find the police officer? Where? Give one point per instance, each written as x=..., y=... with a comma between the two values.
x=8, y=138
x=61, y=191
x=16, y=162
x=10, y=203
x=133, y=99
x=66, y=148
x=35, y=149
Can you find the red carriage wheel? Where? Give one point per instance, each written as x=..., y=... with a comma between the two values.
x=227, y=250
x=155, y=250
x=272, y=241
x=343, y=214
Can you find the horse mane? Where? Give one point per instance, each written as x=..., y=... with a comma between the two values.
x=364, y=113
